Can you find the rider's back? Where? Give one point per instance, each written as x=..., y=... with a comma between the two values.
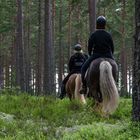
x=76, y=62
x=101, y=42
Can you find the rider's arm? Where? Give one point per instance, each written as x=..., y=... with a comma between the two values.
x=90, y=45
x=70, y=65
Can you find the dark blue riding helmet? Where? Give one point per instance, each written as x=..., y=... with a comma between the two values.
x=101, y=21
x=77, y=47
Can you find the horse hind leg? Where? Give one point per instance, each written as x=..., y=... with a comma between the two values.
x=78, y=85
x=99, y=95
x=97, y=105
x=69, y=93
x=69, y=90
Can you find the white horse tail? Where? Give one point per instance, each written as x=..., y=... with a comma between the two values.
x=108, y=88
x=78, y=84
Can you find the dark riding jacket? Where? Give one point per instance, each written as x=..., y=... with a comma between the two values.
x=101, y=44
x=76, y=62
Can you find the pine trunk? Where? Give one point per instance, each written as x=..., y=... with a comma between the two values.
x=20, y=47
x=48, y=51
x=69, y=32
x=92, y=15
x=136, y=65
x=60, y=70
x=27, y=50
x=39, y=52
x=123, y=55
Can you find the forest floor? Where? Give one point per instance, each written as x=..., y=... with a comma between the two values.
x=26, y=117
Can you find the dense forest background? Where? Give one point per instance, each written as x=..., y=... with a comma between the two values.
x=36, y=42
x=37, y=37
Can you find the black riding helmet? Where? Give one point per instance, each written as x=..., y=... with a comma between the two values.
x=101, y=21
x=77, y=47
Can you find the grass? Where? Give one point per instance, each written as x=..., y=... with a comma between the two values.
x=25, y=117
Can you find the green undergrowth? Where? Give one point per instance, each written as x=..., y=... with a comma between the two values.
x=26, y=117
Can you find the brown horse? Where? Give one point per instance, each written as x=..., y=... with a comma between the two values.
x=101, y=78
x=73, y=86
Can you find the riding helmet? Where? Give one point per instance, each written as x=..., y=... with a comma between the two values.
x=101, y=21
x=77, y=47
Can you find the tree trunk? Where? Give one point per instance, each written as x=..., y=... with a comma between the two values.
x=130, y=71
x=13, y=60
x=69, y=32
x=7, y=74
x=48, y=51
x=92, y=15
x=53, y=74
x=39, y=52
x=78, y=28
x=1, y=66
x=27, y=50
x=123, y=54
x=20, y=48
x=136, y=65
x=60, y=70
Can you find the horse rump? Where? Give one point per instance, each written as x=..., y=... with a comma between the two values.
x=101, y=83
x=73, y=87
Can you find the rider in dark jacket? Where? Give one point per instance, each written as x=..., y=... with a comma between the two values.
x=75, y=63
x=100, y=44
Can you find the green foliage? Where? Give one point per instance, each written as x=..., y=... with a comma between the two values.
x=7, y=13
x=104, y=131
x=79, y=23
x=37, y=117
x=124, y=110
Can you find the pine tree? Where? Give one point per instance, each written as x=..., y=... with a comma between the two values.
x=136, y=66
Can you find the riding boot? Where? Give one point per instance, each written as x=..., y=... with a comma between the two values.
x=63, y=92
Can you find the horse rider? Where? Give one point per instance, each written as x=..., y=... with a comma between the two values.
x=75, y=63
x=100, y=44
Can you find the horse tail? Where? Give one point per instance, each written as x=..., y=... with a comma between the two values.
x=108, y=88
x=78, y=84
